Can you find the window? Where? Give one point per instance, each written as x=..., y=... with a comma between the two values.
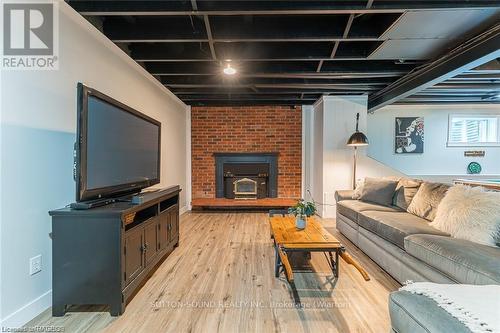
x=474, y=130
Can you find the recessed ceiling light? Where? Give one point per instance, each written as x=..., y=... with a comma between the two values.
x=228, y=70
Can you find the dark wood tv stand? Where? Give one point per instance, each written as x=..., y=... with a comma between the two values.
x=104, y=255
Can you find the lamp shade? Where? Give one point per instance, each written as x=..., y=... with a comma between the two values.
x=357, y=139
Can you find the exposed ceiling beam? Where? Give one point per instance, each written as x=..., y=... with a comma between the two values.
x=183, y=80
x=246, y=12
x=243, y=39
x=471, y=92
x=444, y=99
x=469, y=55
x=236, y=102
x=275, y=86
x=474, y=77
x=251, y=93
x=485, y=71
x=314, y=59
x=249, y=98
x=461, y=86
x=339, y=75
x=400, y=9
x=111, y=12
x=195, y=91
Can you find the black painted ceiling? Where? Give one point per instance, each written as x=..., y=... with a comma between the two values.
x=285, y=52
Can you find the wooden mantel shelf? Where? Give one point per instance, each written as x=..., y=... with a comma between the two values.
x=223, y=203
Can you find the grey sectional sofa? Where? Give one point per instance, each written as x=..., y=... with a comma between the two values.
x=408, y=248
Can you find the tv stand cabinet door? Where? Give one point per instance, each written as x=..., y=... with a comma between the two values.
x=134, y=254
x=150, y=240
x=163, y=229
x=174, y=220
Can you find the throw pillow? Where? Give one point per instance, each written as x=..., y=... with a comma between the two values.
x=427, y=199
x=361, y=182
x=405, y=191
x=379, y=191
x=470, y=213
x=359, y=189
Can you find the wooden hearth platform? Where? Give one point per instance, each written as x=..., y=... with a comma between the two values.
x=230, y=204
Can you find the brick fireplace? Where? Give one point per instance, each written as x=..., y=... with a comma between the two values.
x=248, y=132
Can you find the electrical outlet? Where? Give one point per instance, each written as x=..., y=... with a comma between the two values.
x=35, y=264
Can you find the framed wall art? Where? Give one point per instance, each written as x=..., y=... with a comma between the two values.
x=409, y=135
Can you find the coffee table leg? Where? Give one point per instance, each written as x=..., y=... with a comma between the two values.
x=337, y=262
x=334, y=263
x=277, y=262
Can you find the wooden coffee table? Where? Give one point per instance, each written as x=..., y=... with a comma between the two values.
x=314, y=238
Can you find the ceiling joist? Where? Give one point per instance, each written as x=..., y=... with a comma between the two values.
x=231, y=8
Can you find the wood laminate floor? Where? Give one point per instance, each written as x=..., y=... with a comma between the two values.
x=221, y=279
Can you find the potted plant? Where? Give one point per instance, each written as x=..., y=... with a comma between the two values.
x=302, y=210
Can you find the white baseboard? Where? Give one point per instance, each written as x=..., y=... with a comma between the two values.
x=27, y=312
x=184, y=209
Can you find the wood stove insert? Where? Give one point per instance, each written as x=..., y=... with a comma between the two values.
x=246, y=175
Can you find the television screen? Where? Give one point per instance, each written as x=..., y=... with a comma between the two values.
x=119, y=149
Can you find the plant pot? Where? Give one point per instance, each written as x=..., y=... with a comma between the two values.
x=300, y=222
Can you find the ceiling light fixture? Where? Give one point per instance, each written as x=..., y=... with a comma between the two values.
x=228, y=70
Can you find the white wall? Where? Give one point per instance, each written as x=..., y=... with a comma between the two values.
x=333, y=121
x=339, y=123
x=307, y=146
x=437, y=159
x=316, y=168
x=38, y=129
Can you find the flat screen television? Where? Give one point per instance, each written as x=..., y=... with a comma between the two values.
x=117, y=150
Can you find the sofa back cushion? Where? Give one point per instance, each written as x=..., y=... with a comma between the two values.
x=361, y=182
x=427, y=199
x=405, y=191
x=379, y=191
x=470, y=213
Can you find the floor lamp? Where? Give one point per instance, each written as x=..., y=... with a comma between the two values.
x=356, y=140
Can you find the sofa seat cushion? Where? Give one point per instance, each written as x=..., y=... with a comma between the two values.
x=462, y=260
x=417, y=313
x=351, y=208
x=395, y=226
